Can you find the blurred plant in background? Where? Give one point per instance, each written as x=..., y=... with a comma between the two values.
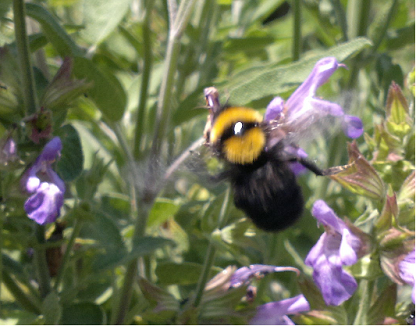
x=101, y=105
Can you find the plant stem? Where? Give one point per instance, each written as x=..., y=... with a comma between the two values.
x=358, y=13
x=211, y=251
x=41, y=265
x=176, y=28
x=163, y=107
x=144, y=87
x=62, y=268
x=297, y=32
x=19, y=295
x=131, y=272
x=341, y=18
x=23, y=53
x=380, y=36
x=366, y=294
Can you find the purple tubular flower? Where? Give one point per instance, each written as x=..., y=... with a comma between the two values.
x=407, y=271
x=244, y=274
x=274, y=313
x=338, y=246
x=44, y=184
x=302, y=108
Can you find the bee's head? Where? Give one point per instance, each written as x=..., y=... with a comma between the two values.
x=237, y=135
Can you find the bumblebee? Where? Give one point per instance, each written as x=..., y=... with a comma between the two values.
x=259, y=170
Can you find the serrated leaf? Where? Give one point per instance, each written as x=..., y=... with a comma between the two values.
x=106, y=91
x=271, y=80
x=72, y=158
x=53, y=31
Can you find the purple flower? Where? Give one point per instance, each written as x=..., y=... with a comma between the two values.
x=44, y=184
x=244, y=274
x=274, y=313
x=407, y=271
x=338, y=246
x=8, y=153
x=302, y=108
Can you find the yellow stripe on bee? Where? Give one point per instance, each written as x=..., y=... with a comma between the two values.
x=229, y=117
x=245, y=149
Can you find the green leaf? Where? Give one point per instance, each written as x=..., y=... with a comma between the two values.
x=53, y=31
x=271, y=80
x=51, y=309
x=181, y=274
x=72, y=159
x=162, y=210
x=101, y=18
x=111, y=250
x=106, y=92
x=83, y=313
x=147, y=245
x=383, y=306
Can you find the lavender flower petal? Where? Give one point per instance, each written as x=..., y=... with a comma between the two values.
x=323, y=69
x=274, y=313
x=44, y=206
x=407, y=271
x=352, y=126
x=274, y=109
x=244, y=274
x=338, y=246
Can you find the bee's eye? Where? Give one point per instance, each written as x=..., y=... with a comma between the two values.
x=238, y=128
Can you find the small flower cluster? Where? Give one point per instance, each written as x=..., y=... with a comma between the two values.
x=43, y=183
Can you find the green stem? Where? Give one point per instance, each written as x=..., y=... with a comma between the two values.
x=131, y=272
x=176, y=28
x=144, y=87
x=163, y=107
x=19, y=295
x=211, y=251
x=41, y=265
x=358, y=13
x=297, y=32
x=65, y=260
x=341, y=18
x=23, y=53
x=380, y=36
x=366, y=293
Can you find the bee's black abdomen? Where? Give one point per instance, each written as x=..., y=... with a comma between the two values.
x=268, y=194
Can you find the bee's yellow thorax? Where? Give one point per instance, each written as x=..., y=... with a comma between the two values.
x=239, y=149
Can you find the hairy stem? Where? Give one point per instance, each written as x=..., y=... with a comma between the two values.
x=144, y=87
x=41, y=265
x=211, y=251
x=23, y=53
x=71, y=242
x=297, y=32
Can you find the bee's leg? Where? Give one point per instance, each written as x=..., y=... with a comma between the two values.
x=311, y=166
